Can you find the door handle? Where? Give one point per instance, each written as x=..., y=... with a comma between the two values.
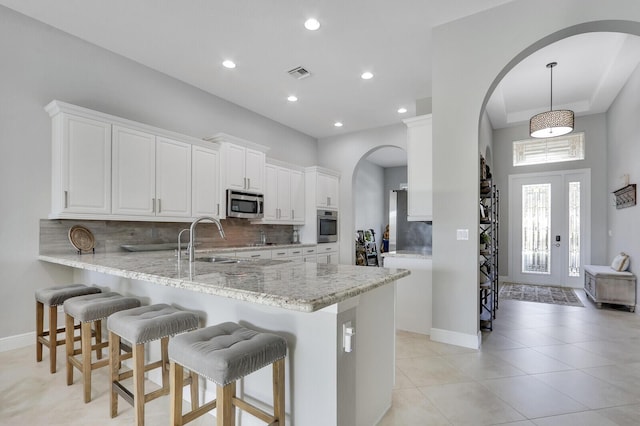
x=557, y=244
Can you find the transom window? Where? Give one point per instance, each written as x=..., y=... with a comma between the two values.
x=552, y=150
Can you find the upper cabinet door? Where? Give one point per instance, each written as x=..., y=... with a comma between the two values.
x=84, y=169
x=270, y=192
x=235, y=166
x=297, y=196
x=327, y=188
x=419, y=168
x=173, y=178
x=254, y=170
x=284, y=194
x=134, y=167
x=205, y=183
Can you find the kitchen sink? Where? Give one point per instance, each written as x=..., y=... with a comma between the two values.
x=216, y=259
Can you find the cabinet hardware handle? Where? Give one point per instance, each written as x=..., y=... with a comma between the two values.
x=153, y=205
x=248, y=183
x=244, y=185
x=255, y=255
x=159, y=205
x=293, y=214
x=328, y=201
x=66, y=199
x=218, y=209
x=281, y=253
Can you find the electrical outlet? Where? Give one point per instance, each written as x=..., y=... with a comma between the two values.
x=462, y=234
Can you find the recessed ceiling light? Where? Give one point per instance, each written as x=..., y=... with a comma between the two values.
x=229, y=64
x=366, y=75
x=292, y=98
x=312, y=24
x=402, y=110
x=337, y=124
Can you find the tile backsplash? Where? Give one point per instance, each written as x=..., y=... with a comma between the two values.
x=111, y=235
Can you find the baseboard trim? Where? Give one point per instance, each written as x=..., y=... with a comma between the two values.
x=471, y=341
x=16, y=342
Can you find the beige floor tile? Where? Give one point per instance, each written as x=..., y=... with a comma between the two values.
x=430, y=371
x=533, y=398
x=531, y=361
x=411, y=407
x=568, y=334
x=402, y=381
x=530, y=337
x=587, y=418
x=628, y=415
x=588, y=390
x=619, y=351
x=482, y=365
x=574, y=356
x=412, y=347
x=624, y=376
x=470, y=404
x=497, y=342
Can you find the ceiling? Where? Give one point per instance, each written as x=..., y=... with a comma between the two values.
x=188, y=40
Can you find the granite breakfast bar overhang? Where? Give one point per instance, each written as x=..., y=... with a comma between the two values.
x=307, y=303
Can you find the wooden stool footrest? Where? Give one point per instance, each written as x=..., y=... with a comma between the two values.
x=123, y=392
x=255, y=411
x=192, y=415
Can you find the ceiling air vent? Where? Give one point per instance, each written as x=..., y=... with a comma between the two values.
x=299, y=73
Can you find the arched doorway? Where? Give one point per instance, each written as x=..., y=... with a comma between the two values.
x=376, y=173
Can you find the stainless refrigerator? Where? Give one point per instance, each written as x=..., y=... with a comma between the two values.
x=404, y=235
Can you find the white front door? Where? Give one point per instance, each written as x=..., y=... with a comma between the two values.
x=549, y=217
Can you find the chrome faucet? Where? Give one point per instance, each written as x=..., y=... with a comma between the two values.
x=179, y=243
x=192, y=234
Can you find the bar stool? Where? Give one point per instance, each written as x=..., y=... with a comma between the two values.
x=139, y=326
x=89, y=309
x=54, y=297
x=225, y=353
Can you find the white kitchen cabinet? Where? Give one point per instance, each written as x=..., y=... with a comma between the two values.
x=206, y=194
x=310, y=254
x=297, y=197
x=254, y=254
x=327, y=191
x=151, y=175
x=328, y=253
x=243, y=163
x=283, y=195
x=134, y=172
x=413, y=293
x=81, y=165
x=173, y=178
x=419, y=168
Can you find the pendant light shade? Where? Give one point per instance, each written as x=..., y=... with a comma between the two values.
x=551, y=123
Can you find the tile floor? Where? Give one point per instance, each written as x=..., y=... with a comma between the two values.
x=544, y=365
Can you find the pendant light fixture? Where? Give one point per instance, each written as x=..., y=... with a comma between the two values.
x=551, y=123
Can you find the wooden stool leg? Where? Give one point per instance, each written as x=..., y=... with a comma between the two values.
x=98, y=331
x=164, y=353
x=53, y=337
x=138, y=383
x=226, y=411
x=39, y=329
x=278, y=391
x=70, y=346
x=114, y=369
x=177, y=382
x=195, y=394
x=85, y=341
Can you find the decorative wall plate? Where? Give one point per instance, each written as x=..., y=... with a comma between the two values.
x=81, y=238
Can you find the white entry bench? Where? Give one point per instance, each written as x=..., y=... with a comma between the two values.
x=603, y=284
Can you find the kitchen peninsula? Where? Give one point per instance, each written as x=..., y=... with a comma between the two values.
x=307, y=303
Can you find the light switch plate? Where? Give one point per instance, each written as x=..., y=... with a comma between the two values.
x=462, y=234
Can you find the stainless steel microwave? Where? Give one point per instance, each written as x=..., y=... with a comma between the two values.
x=327, y=226
x=245, y=205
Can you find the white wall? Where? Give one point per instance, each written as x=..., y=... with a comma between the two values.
x=369, y=197
x=39, y=64
x=393, y=178
x=622, y=158
x=344, y=153
x=470, y=56
x=595, y=129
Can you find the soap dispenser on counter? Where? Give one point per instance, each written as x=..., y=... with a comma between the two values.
x=295, y=238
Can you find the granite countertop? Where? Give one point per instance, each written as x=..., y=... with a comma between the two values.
x=409, y=254
x=305, y=287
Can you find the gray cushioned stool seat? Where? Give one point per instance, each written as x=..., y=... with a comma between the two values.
x=226, y=352
x=148, y=323
x=55, y=296
x=98, y=306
